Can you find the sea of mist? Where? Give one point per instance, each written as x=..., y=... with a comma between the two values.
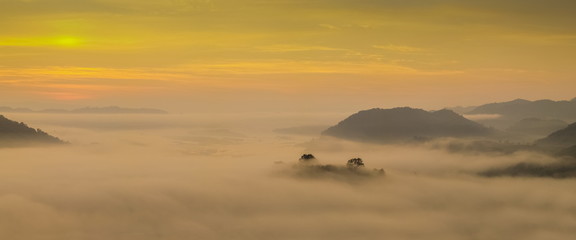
x=146, y=177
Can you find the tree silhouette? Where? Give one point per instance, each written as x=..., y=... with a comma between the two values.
x=355, y=163
x=307, y=158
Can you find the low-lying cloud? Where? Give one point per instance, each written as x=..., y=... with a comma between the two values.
x=105, y=187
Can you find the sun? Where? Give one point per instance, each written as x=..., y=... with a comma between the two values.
x=67, y=41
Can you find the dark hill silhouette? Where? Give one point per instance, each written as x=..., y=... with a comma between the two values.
x=560, y=139
x=14, y=134
x=402, y=124
x=568, y=152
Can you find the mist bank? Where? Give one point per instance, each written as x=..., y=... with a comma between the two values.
x=226, y=179
x=142, y=193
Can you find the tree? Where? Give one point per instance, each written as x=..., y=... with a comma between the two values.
x=355, y=163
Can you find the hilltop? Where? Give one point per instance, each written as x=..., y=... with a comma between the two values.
x=405, y=124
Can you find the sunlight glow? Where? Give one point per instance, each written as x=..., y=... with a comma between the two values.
x=67, y=41
x=42, y=41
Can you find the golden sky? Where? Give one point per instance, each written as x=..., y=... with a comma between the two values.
x=285, y=54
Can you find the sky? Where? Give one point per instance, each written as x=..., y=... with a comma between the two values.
x=284, y=55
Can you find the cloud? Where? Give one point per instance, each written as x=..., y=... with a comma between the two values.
x=114, y=189
x=399, y=48
x=294, y=48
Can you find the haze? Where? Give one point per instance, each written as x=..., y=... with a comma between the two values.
x=185, y=177
x=248, y=86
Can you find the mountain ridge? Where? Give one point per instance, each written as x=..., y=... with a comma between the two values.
x=520, y=108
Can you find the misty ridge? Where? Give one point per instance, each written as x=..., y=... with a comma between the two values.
x=522, y=114
x=520, y=108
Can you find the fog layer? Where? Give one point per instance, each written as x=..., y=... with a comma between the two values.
x=223, y=179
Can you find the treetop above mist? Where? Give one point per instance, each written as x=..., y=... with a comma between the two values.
x=310, y=167
x=89, y=110
x=14, y=133
x=401, y=124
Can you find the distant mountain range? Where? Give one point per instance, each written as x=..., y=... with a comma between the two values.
x=13, y=134
x=509, y=113
x=405, y=124
x=88, y=110
x=521, y=108
x=536, y=118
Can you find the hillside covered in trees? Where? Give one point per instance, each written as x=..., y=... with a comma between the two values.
x=14, y=134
